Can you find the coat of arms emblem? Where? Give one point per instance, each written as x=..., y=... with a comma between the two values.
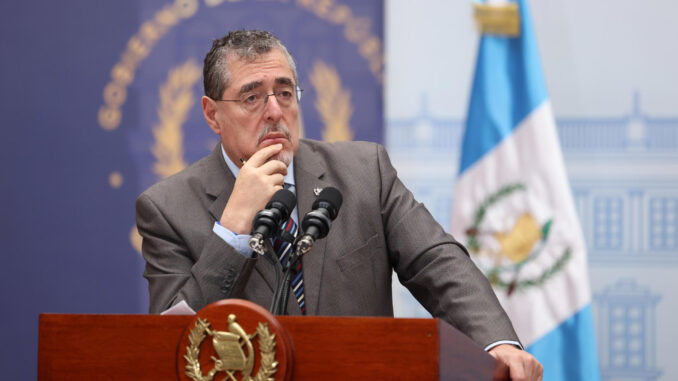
x=235, y=351
x=512, y=257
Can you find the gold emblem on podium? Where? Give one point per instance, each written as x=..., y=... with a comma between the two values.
x=235, y=351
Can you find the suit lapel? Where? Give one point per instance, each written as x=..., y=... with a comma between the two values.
x=308, y=172
x=218, y=181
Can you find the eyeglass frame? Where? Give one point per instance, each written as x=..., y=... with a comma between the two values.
x=298, y=90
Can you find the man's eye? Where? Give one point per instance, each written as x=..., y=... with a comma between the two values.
x=285, y=94
x=251, y=98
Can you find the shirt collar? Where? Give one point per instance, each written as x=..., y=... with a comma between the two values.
x=289, y=178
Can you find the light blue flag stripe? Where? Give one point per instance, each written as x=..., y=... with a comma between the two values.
x=569, y=351
x=508, y=84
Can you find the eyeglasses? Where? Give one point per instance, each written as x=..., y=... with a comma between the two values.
x=254, y=102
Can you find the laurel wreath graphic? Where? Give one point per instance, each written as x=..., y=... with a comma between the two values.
x=267, y=348
x=333, y=103
x=496, y=281
x=196, y=338
x=176, y=99
x=473, y=245
x=472, y=232
x=266, y=341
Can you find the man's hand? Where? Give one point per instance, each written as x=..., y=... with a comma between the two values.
x=522, y=366
x=257, y=181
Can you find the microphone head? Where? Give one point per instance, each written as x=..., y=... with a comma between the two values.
x=330, y=198
x=284, y=200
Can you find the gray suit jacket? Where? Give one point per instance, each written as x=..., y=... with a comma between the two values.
x=380, y=228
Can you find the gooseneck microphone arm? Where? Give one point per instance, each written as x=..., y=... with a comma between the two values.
x=270, y=256
x=282, y=291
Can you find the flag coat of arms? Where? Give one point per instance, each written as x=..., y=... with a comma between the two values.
x=513, y=208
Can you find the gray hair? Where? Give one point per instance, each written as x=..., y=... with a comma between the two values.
x=243, y=44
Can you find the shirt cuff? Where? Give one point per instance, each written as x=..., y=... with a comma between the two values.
x=239, y=242
x=496, y=343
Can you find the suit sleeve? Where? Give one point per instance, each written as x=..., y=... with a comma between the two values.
x=435, y=268
x=199, y=274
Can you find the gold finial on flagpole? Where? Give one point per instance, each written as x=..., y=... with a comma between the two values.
x=494, y=19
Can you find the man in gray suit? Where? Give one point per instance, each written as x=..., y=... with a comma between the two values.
x=196, y=224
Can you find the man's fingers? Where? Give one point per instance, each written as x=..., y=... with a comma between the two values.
x=278, y=180
x=517, y=370
x=501, y=372
x=532, y=369
x=521, y=364
x=538, y=369
x=273, y=166
x=525, y=367
x=260, y=157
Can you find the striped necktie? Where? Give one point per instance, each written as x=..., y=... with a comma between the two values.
x=282, y=244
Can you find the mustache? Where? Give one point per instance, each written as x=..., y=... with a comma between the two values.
x=278, y=127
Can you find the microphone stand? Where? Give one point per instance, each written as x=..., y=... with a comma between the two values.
x=302, y=246
x=267, y=252
x=284, y=294
x=263, y=247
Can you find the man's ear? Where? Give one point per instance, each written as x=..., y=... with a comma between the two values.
x=209, y=110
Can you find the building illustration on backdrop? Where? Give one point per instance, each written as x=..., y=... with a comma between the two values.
x=623, y=171
x=626, y=331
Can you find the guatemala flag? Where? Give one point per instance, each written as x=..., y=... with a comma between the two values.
x=514, y=211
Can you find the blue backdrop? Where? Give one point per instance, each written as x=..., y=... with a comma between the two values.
x=101, y=99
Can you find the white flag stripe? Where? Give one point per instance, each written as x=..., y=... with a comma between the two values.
x=531, y=155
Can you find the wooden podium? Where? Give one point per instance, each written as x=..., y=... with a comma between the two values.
x=154, y=347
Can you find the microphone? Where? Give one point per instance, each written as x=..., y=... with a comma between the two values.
x=316, y=223
x=267, y=221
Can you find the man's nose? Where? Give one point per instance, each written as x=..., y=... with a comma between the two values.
x=272, y=109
